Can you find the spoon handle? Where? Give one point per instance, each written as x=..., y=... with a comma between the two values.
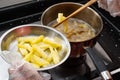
x=77, y=11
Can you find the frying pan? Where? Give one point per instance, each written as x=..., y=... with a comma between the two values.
x=80, y=47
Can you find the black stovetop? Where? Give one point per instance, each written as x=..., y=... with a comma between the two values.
x=30, y=12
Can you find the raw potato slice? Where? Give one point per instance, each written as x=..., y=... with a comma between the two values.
x=40, y=51
x=52, y=43
x=25, y=46
x=41, y=62
x=39, y=39
x=29, y=39
x=55, y=55
x=23, y=51
x=35, y=65
x=28, y=56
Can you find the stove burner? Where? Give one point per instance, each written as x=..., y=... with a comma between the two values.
x=72, y=69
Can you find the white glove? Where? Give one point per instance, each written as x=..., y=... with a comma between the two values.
x=112, y=6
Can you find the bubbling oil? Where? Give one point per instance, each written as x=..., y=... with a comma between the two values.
x=77, y=30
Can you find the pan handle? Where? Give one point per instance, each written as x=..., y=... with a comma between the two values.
x=99, y=64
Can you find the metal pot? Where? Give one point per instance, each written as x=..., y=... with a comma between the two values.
x=88, y=15
x=8, y=40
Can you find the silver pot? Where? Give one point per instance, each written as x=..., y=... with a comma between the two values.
x=8, y=39
x=88, y=15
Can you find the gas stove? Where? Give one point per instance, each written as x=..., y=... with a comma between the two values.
x=107, y=47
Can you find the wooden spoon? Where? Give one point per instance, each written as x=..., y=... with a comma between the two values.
x=75, y=12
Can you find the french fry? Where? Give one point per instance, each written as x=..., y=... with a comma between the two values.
x=39, y=61
x=37, y=54
x=28, y=46
x=28, y=56
x=49, y=59
x=35, y=65
x=23, y=51
x=38, y=39
x=61, y=18
x=55, y=55
x=25, y=46
x=40, y=51
x=29, y=39
x=43, y=46
x=51, y=43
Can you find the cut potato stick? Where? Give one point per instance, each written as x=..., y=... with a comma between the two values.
x=55, y=55
x=39, y=39
x=28, y=56
x=29, y=39
x=35, y=65
x=25, y=46
x=40, y=51
x=61, y=18
x=52, y=43
x=23, y=51
x=39, y=61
